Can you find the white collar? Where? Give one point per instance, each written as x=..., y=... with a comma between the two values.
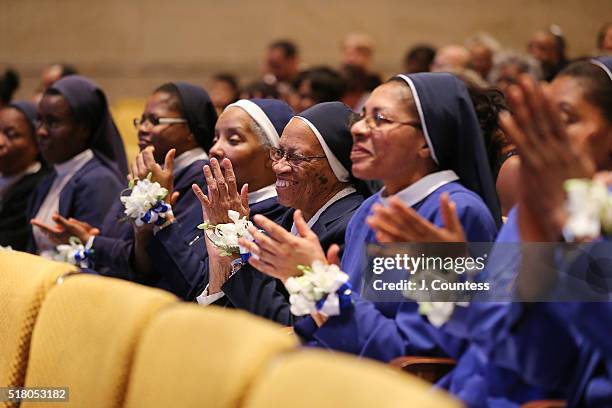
x=339, y=195
x=419, y=190
x=262, y=194
x=73, y=165
x=183, y=160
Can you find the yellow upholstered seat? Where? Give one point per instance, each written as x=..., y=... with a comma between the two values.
x=191, y=356
x=24, y=282
x=124, y=111
x=313, y=378
x=85, y=338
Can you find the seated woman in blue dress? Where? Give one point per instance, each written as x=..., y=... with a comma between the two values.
x=77, y=136
x=20, y=171
x=244, y=134
x=570, y=356
x=176, y=128
x=312, y=171
x=420, y=135
x=554, y=349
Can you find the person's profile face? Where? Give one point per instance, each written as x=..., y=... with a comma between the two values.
x=161, y=136
x=236, y=141
x=381, y=152
x=584, y=121
x=59, y=137
x=17, y=143
x=300, y=184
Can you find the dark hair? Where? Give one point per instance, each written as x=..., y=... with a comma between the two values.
x=67, y=69
x=597, y=85
x=228, y=78
x=601, y=35
x=259, y=89
x=289, y=48
x=488, y=103
x=358, y=79
x=9, y=82
x=421, y=55
x=175, y=101
x=326, y=84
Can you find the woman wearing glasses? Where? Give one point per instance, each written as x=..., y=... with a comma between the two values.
x=244, y=134
x=313, y=178
x=77, y=136
x=176, y=129
x=420, y=134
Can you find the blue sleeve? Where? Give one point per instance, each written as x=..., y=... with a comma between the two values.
x=250, y=290
x=475, y=218
x=538, y=345
x=181, y=268
x=381, y=331
x=112, y=256
x=94, y=195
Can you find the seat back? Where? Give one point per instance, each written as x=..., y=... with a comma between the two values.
x=191, y=356
x=85, y=338
x=24, y=282
x=313, y=378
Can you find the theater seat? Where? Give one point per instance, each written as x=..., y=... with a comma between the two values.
x=24, y=282
x=313, y=378
x=191, y=356
x=85, y=337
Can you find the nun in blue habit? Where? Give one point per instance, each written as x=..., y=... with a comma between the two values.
x=419, y=134
x=178, y=252
x=114, y=247
x=78, y=138
x=554, y=349
x=312, y=168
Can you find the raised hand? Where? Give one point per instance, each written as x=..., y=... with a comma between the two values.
x=66, y=228
x=222, y=193
x=399, y=223
x=548, y=158
x=278, y=253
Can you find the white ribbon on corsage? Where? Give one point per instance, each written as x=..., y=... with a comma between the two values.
x=225, y=236
x=145, y=204
x=74, y=252
x=321, y=288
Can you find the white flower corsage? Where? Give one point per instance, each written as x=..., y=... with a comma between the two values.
x=74, y=253
x=145, y=204
x=589, y=204
x=225, y=236
x=439, y=313
x=321, y=288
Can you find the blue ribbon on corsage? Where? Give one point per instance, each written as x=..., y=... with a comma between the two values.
x=75, y=253
x=340, y=300
x=156, y=215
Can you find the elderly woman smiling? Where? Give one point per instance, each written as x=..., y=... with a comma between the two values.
x=420, y=134
x=311, y=165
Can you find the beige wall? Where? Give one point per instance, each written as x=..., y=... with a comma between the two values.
x=130, y=47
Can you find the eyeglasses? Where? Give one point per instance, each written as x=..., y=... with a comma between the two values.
x=156, y=121
x=293, y=159
x=50, y=123
x=378, y=120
